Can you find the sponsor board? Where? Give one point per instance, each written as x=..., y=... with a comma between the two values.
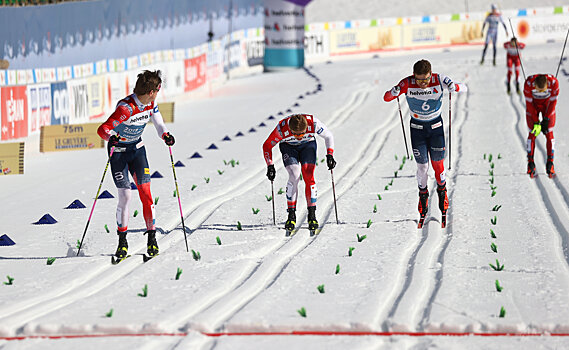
x=39, y=106
x=167, y=111
x=96, y=97
x=78, y=106
x=59, y=104
x=115, y=89
x=255, y=51
x=350, y=41
x=284, y=34
x=11, y=158
x=541, y=29
x=195, y=72
x=438, y=34
x=316, y=44
x=55, y=138
x=14, y=114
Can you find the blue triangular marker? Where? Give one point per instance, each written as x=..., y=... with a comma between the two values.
x=226, y=138
x=262, y=124
x=133, y=186
x=307, y=92
x=6, y=241
x=289, y=110
x=212, y=146
x=300, y=97
x=156, y=175
x=105, y=194
x=252, y=130
x=45, y=220
x=296, y=105
x=179, y=164
x=196, y=155
x=270, y=118
x=239, y=134
x=76, y=204
x=281, y=113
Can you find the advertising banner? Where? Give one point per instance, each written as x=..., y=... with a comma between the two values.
x=96, y=94
x=442, y=34
x=316, y=44
x=195, y=69
x=11, y=158
x=541, y=29
x=14, y=112
x=59, y=104
x=167, y=111
x=39, y=106
x=284, y=34
x=172, y=79
x=233, y=55
x=351, y=41
x=55, y=138
x=78, y=106
x=255, y=51
x=116, y=89
x=214, y=60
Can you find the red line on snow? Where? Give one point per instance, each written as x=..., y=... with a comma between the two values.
x=295, y=333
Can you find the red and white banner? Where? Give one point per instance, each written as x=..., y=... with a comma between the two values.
x=39, y=106
x=14, y=112
x=195, y=75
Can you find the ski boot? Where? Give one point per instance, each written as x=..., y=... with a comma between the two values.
x=423, y=205
x=518, y=88
x=508, y=87
x=550, y=168
x=152, y=245
x=443, y=203
x=531, y=168
x=312, y=222
x=482, y=61
x=494, y=61
x=122, y=249
x=291, y=221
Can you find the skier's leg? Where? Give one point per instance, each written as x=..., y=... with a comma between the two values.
x=292, y=184
x=141, y=175
x=124, y=195
x=310, y=184
x=119, y=169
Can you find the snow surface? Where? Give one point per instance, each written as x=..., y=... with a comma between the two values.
x=399, y=279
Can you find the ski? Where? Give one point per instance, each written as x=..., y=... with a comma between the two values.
x=145, y=257
x=115, y=261
x=315, y=232
x=444, y=220
x=290, y=233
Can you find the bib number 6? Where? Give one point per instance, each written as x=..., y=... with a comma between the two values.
x=425, y=106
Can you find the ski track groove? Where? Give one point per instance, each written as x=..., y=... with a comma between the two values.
x=557, y=218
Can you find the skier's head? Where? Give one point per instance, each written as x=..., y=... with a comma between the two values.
x=422, y=73
x=148, y=83
x=493, y=7
x=514, y=41
x=298, y=124
x=541, y=82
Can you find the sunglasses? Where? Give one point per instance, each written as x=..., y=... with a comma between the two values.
x=426, y=80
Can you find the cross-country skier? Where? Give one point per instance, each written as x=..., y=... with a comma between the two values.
x=540, y=91
x=513, y=61
x=493, y=19
x=424, y=93
x=123, y=130
x=295, y=135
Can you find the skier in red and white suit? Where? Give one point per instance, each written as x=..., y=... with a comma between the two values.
x=513, y=48
x=295, y=135
x=541, y=91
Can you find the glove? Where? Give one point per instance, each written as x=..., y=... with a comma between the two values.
x=168, y=139
x=330, y=162
x=113, y=140
x=396, y=91
x=536, y=129
x=545, y=125
x=271, y=172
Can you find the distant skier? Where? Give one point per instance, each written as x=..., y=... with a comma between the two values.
x=493, y=19
x=513, y=60
x=424, y=93
x=128, y=121
x=295, y=135
x=541, y=91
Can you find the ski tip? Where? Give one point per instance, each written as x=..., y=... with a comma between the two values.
x=145, y=257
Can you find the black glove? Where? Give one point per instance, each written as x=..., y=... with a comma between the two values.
x=168, y=139
x=113, y=140
x=545, y=125
x=271, y=172
x=330, y=162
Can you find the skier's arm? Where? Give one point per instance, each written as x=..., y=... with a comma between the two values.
x=531, y=112
x=552, y=99
x=274, y=138
x=121, y=114
x=158, y=122
x=396, y=91
x=451, y=85
x=504, y=24
x=323, y=131
x=484, y=25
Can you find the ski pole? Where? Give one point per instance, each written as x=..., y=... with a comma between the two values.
x=179, y=200
x=402, y=127
x=518, y=50
x=562, y=52
x=273, y=200
x=334, y=192
x=449, y=129
x=95, y=202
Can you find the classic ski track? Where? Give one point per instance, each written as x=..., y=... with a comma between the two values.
x=197, y=213
x=216, y=314
x=432, y=243
x=557, y=213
